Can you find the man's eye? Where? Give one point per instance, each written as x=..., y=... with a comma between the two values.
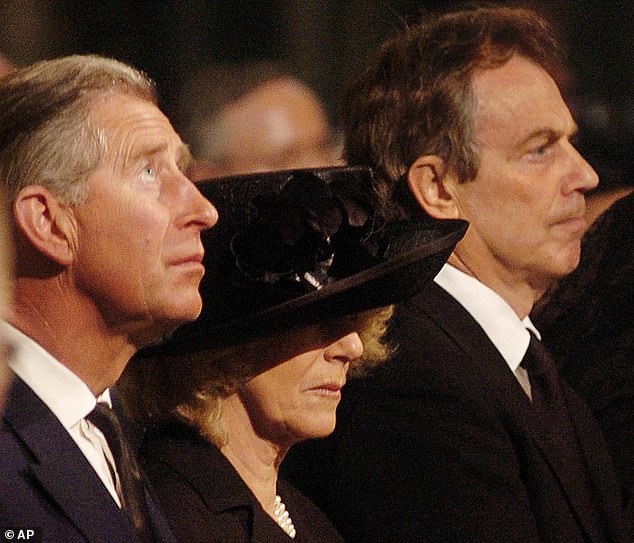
x=148, y=172
x=541, y=150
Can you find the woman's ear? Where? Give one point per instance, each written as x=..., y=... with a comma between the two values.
x=428, y=179
x=46, y=223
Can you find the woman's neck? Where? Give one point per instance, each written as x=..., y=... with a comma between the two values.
x=255, y=458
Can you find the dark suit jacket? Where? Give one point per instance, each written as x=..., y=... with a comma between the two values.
x=438, y=445
x=46, y=483
x=206, y=501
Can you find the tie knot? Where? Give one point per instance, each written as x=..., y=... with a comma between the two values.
x=537, y=361
x=100, y=413
x=104, y=418
x=542, y=373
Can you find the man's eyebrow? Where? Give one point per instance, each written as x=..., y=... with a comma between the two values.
x=183, y=154
x=146, y=150
x=549, y=133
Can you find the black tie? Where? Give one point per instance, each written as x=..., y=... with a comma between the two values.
x=133, y=500
x=550, y=406
x=548, y=399
x=546, y=392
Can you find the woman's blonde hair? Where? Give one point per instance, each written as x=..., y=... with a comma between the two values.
x=192, y=387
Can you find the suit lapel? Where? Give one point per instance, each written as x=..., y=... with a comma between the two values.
x=494, y=372
x=62, y=470
x=461, y=328
x=564, y=473
x=598, y=461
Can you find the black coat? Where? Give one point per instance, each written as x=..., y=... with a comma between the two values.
x=46, y=483
x=439, y=445
x=206, y=501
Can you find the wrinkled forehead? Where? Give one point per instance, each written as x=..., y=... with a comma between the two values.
x=132, y=127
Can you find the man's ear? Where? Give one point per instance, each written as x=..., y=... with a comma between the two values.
x=428, y=179
x=46, y=223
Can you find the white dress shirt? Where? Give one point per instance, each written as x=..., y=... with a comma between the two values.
x=508, y=333
x=68, y=397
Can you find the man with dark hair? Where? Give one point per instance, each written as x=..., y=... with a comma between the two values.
x=108, y=259
x=467, y=434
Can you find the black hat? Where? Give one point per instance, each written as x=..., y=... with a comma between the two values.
x=301, y=246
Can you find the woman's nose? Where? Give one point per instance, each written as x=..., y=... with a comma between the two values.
x=345, y=349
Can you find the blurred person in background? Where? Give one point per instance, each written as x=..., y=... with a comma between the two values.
x=600, y=199
x=6, y=66
x=253, y=117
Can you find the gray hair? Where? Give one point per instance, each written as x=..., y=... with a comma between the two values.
x=46, y=133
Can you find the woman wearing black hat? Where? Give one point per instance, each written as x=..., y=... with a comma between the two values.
x=301, y=272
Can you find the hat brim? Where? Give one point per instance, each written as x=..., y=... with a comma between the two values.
x=416, y=252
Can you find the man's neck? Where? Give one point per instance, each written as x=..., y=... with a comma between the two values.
x=74, y=335
x=519, y=294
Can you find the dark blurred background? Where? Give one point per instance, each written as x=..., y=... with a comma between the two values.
x=325, y=42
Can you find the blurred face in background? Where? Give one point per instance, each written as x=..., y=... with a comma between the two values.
x=280, y=125
x=6, y=67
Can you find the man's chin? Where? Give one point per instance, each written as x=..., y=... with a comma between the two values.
x=154, y=327
x=572, y=262
x=566, y=258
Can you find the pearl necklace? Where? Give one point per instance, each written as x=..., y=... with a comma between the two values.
x=283, y=518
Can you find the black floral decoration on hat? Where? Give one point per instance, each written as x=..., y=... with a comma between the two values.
x=307, y=234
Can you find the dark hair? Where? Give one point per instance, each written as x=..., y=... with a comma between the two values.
x=416, y=97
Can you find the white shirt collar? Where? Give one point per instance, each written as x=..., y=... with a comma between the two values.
x=64, y=393
x=500, y=323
